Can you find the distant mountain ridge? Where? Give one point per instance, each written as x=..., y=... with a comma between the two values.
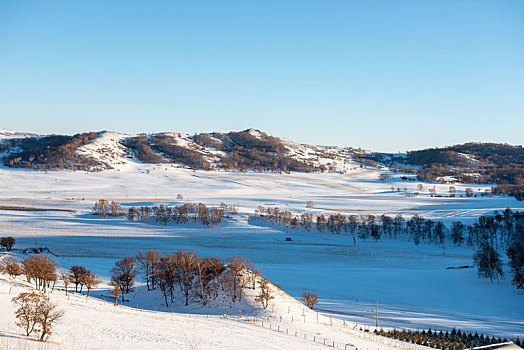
x=256, y=150
x=250, y=149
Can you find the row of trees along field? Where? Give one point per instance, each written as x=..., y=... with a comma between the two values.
x=195, y=277
x=44, y=273
x=454, y=340
x=179, y=214
x=489, y=234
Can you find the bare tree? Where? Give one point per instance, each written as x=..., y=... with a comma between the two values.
x=66, y=278
x=186, y=266
x=116, y=209
x=90, y=280
x=115, y=292
x=7, y=242
x=12, y=267
x=26, y=305
x=77, y=274
x=123, y=273
x=35, y=312
x=310, y=299
x=239, y=275
x=47, y=316
x=265, y=294
x=148, y=263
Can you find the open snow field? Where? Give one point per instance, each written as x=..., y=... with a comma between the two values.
x=412, y=284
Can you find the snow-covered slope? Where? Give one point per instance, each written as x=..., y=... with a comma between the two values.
x=107, y=149
x=97, y=324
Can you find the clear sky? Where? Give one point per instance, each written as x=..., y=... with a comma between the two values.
x=383, y=75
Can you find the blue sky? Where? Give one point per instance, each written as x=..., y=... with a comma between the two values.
x=383, y=75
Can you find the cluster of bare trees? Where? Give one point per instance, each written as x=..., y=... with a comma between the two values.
x=194, y=276
x=7, y=242
x=104, y=208
x=41, y=270
x=36, y=313
x=11, y=266
x=80, y=276
x=33, y=310
x=188, y=212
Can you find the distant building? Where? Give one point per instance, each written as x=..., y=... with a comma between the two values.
x=501, y=346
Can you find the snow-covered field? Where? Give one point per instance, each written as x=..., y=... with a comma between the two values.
x=412, y=284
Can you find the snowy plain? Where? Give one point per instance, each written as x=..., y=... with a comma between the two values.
x=411, y=283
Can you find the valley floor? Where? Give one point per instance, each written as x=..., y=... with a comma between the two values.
x=412, y=283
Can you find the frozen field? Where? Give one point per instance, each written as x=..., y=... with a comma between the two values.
x=412, y=284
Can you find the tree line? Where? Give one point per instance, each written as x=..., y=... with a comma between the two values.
x=179, y=214
x=489, y=234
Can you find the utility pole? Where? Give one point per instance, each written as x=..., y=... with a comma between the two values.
x=376, y=316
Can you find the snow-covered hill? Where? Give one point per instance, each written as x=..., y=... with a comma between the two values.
x=245, y=150
x=95, y=323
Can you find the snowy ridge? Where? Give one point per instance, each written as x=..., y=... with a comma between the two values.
x=11, y=134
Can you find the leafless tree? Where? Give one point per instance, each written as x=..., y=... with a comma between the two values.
x=186, y=268
x=148, y=263
x=65, y=276
x=47, y=316
x=239, y=275
x=25, y=311
x=123, y=273
x=115, y=292
x=7, y=242
x=12, y=267
x=91, y=281
x=35, y=312
x=77, y=274
x=265, y=294
x=310, y=299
